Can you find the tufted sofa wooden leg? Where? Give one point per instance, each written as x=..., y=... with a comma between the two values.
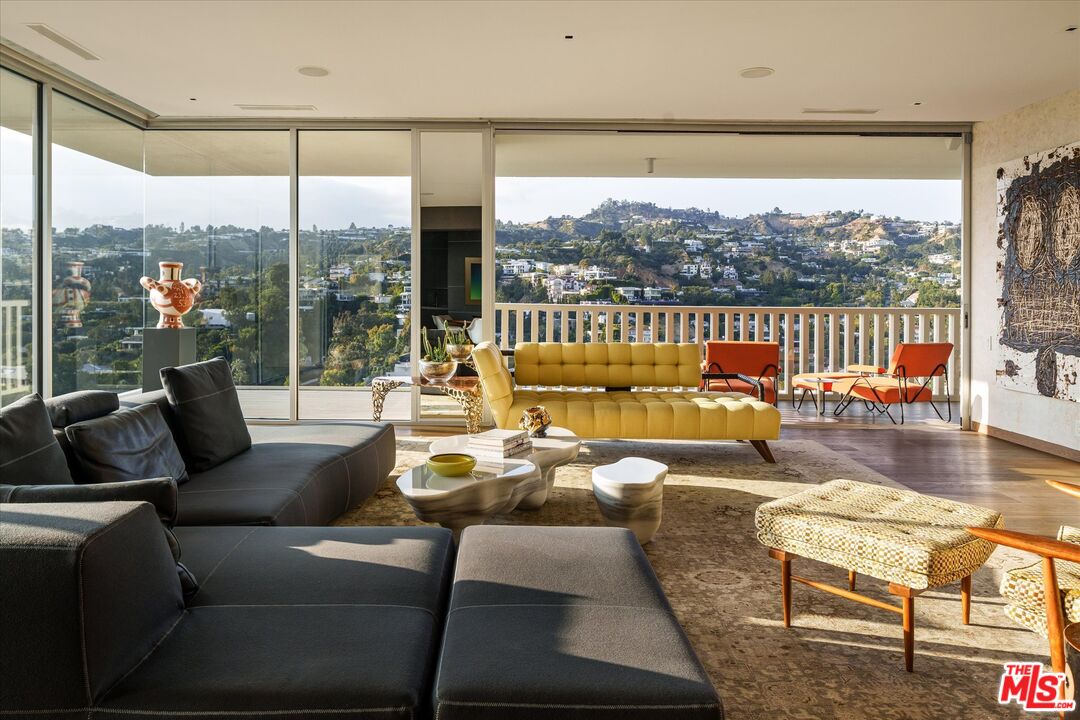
x=763, y=450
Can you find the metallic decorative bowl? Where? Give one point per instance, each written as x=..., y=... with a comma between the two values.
x=451, y=464
x=535, y=420
x=438, y=371
x=460, y=351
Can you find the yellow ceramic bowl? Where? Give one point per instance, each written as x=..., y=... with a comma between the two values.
x=451, y=464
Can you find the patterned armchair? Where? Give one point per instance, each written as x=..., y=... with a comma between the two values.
x=1030, y=590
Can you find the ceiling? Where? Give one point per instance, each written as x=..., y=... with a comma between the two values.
x=963, y=61
x=694, y=155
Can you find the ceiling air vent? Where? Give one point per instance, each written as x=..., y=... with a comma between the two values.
x=840, y=111
x=64, y=42
x=274, y=108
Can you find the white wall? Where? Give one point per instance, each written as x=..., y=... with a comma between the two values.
x=1044, y=125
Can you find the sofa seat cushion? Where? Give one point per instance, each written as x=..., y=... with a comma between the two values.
x=653, y=415
x=564, y=622
x=894, y=535
x=305, y=474
x=402, y=566
x=346, y=661
x=292, y=622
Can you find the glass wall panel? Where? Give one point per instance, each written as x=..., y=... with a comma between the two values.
x=218, y=201
x=18, y=110
x=355, y=227
x=97, y=250
x=725, y=220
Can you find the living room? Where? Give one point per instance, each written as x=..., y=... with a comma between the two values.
x=539, y=359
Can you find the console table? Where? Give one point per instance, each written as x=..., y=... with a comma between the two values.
x=466, y=390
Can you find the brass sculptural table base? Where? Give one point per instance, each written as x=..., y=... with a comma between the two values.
x=466, y=390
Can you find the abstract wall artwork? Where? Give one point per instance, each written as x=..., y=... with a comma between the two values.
x=1039, y=242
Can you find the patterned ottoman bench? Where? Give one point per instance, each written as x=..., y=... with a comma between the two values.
x=914, y=542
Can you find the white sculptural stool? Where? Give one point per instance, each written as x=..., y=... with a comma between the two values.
x=630, y=494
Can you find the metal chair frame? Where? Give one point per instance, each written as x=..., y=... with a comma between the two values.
x=881, y=407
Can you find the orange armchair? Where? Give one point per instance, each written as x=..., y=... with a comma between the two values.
x=759, y=360
x=907, y=380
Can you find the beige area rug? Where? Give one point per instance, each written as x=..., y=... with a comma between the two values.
x=840, y=659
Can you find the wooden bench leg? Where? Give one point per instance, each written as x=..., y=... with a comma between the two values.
x=851, y=580
x=763, y=450
x=785, y=581
x=907, y=605
x=965, y=599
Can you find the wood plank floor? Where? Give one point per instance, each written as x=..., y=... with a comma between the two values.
x=934, y=457
x=931, y=456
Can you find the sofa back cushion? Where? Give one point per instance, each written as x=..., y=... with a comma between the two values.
x=87, y=590
x=496, y=380
x=75, y=407
x=82, y=405
x=29, y=454
x=130, y=444
x=608, y=365
x=204, y=399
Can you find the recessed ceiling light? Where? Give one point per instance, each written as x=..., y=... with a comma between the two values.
x=193, y=99
x=917, y=103
x=1071, y=28
x=62, y=40
x=752, y=73
x=313, y=71
x=568, y=37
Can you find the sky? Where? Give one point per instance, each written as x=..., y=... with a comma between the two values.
x=88, y=190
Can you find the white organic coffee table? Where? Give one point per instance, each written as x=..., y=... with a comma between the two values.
x=558, y=447
x=630, y=494
x=457, y=502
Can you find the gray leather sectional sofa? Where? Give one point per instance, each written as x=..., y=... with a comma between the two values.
x=305, y=474
x=110, y=609
x=353, y=623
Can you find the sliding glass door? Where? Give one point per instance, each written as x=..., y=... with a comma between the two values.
x=355, y=270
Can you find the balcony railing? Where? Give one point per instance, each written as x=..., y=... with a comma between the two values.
x=16, y=328
x=812, y=339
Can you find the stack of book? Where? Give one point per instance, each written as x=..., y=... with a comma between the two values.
x=498, y=445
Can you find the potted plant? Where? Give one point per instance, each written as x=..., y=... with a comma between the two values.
x=458, y=343
x=436, y=365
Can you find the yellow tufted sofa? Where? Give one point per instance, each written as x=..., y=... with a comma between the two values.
x=586, y=387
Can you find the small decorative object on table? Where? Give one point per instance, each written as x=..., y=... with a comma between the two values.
x=436, y=365
x=451, y=464
x=171, y=296
x=72, y=296
x=536, y=421
x=458, y=344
